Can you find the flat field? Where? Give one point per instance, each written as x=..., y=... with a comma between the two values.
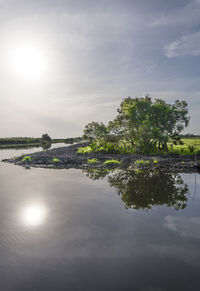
x=189, y=146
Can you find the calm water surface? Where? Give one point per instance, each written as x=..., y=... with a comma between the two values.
x=69, y=230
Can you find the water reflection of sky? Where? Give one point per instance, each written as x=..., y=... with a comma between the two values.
x=33, y=214
x=60, y=230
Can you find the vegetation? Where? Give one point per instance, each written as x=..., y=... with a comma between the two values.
x=56, y=160
x=141, y=125
x=84, y=150
x=14, y=142
x=185, y=146
x=44, y=141
x=92, y=161
x=19, y=141
x=112, y=161
x=26, y=159
x=45, y=138
x=72, y=140
x=142, y=162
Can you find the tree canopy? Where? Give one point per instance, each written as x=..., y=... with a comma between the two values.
x=46, y=138
x=142, y=124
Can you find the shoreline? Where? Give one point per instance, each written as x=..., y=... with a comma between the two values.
x=67, y=157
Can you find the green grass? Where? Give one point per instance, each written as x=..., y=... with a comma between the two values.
x=84, y=150
x=189, y=146
x=92, y=161
x=142, y=162
x=138, y=171
x=112, y=161
x=26, y=159
x=56, y=160
x=155, y=161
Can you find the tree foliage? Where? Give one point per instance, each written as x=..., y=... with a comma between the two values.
x=95, y=130
x=143, y=124
x=46, y=138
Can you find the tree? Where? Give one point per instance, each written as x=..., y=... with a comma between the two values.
x=46, y=138
x=142, y=125
x=95, y=130
x=149, y=124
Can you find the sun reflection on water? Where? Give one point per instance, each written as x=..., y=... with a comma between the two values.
x=34, y=214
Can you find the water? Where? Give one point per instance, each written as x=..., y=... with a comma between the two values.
x=69, y=230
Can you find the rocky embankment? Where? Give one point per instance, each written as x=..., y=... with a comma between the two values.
x=67, y=157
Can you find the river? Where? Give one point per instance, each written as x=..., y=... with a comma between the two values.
x=73, y=230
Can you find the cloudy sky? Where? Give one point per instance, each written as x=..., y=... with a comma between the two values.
x=65, y=63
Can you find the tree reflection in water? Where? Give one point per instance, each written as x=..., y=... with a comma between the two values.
x=145, y=189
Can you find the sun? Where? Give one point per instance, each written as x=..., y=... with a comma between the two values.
x=27, y=62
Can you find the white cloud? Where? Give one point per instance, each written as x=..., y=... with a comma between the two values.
x=185, y=46
x=187, y=227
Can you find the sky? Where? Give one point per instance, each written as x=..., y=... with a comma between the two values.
x=66, y=63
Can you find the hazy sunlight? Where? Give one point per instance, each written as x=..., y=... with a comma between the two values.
x=27, y=62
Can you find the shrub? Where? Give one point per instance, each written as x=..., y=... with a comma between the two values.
x=191, y=148
x=26, y=159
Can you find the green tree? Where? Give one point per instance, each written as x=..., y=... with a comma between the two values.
x=95, y=131
x=147, y=124
x=46, y=138
x=142, y=125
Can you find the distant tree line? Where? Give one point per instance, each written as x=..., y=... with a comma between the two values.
x=19, y=140
x=45, y=141
x=190, y=135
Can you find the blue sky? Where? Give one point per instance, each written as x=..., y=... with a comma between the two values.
x=96, y=53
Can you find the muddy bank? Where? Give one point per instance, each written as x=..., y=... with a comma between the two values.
x=67, y=157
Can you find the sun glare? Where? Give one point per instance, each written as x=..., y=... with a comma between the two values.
x=33, y=214
x=27, y=62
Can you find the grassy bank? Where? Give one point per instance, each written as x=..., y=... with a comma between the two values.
x=187, y=146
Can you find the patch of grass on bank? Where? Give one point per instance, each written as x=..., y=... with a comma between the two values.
x=84, y=150
x=142, y=162
x=26, y=159
x=56, y=160
x=188, y=146
x=92, y=161
x=112, y=161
